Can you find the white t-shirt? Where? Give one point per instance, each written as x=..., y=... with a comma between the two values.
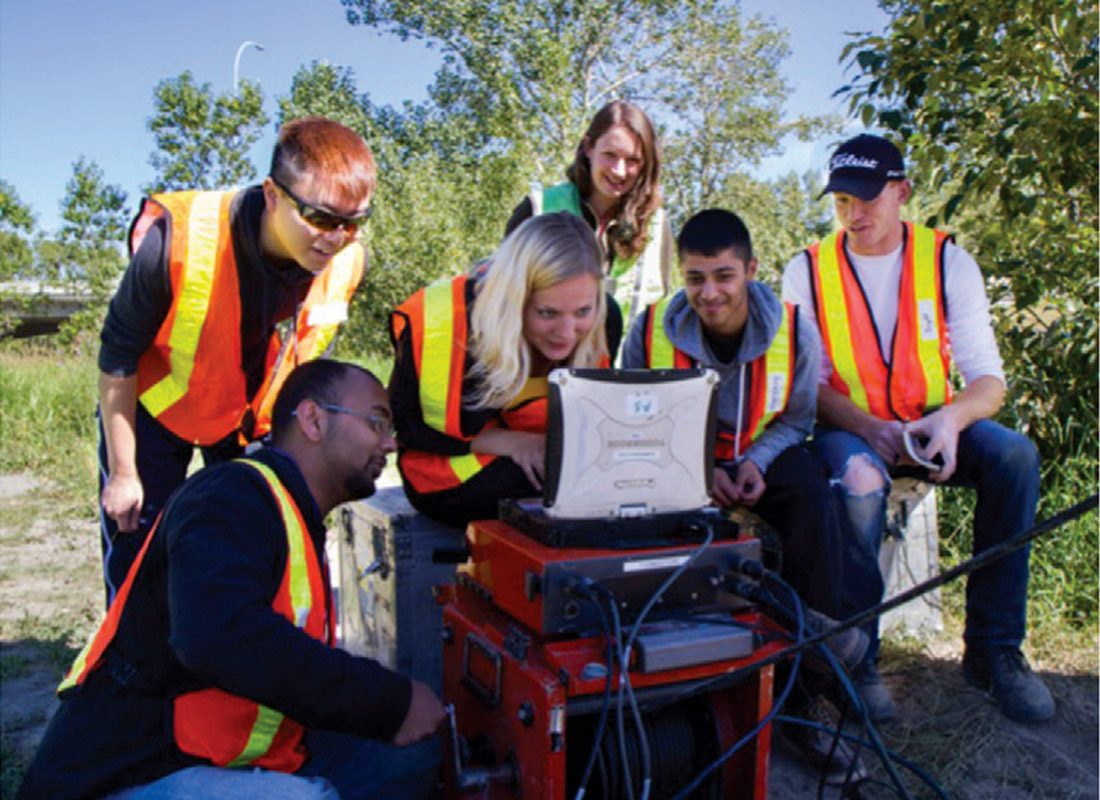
x=969, y=328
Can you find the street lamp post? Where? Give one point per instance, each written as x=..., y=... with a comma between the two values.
x=237, y=61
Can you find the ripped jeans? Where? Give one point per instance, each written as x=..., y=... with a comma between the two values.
x=1003, y=467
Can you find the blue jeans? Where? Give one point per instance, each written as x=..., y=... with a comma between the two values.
x=1003, y=467
x=340, y=767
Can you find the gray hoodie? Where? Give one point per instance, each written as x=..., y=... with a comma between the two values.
x=685, y=331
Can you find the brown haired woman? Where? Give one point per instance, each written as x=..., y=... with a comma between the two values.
x=614, y=185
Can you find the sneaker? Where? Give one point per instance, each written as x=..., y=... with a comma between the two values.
x=849, y=646
x=818, y=747
x=1005, y=673
x=873, y=692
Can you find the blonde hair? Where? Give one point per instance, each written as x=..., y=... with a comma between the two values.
x=541, y=253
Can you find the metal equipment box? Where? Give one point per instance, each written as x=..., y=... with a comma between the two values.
x=389, y=565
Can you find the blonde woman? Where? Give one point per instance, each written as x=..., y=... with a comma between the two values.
x=471, y=358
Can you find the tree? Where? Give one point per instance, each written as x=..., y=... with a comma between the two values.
x=326, y=90
x=428, y=220
x=16, y=228
x=519, y=83
x=202, y=139
x=997, y=103
x=783, y=215
x=88, y=251
x=524, y=77
x=720, y=92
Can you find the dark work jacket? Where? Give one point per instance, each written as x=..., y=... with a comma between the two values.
x=200, y=615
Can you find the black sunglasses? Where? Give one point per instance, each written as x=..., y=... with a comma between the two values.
x=319, y=218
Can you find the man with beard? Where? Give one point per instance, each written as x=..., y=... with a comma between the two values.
x=213, y=674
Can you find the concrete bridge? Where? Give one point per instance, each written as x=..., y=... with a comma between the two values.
x=38, y=308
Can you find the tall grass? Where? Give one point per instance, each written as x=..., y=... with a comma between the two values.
x=47, y=417
x=1062, y=595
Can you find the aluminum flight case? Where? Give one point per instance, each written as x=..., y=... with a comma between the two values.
x=389, y=567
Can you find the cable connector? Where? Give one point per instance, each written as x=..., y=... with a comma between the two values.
x=745, y=566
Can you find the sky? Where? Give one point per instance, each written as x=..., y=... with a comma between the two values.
x=77, y=79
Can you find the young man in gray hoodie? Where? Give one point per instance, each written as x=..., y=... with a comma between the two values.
x=767, y=357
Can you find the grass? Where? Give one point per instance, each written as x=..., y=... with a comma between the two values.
x=47, y=418
x=1062, y=596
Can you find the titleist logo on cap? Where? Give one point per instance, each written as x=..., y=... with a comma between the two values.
x=841, y=160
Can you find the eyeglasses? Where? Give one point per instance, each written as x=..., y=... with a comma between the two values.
x=381, y=425
x=319, y=218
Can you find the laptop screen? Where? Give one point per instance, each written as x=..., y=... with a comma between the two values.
x=625, y=443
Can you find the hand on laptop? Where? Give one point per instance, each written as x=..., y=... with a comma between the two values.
x=526, y=449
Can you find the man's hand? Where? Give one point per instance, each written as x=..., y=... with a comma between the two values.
x=122, y=498
x=748, y=484
x=884, y=436
x=423, y=718
x=941, y=429
x=723, y=491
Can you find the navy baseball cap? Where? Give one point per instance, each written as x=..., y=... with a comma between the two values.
x=862, y=166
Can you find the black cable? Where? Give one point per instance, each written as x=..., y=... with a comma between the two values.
x=853, y=695
x=697, y=781
x=624, y=677
x=894, y=756
x=620, y=726
x=601, y=725
x=980, y=560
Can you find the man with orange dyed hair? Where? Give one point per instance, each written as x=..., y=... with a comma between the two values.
x=190, y=354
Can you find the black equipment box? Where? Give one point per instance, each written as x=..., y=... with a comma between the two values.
x=389, y=564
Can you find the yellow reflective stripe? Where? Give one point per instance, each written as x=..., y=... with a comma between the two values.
x=465, y=467
x=777, y=362
x=260, y=737
x=77, y=669
x=301, y=598
x=268, y=720
x=662, y=355
x=926, y=315
x=835, y=313
x=192, y=305
x=436, y=353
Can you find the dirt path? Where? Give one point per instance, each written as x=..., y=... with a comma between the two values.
x=50, y=598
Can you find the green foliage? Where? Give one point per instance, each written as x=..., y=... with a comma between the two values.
x=720, y=91
x=16, y=227
x=783, y=216
x=325, y=90
x=16, y=251
x=1064, y=572
x=46, y=416
x=87, y=253
x=518, y=86
x=202, y=139
x=433, y=212
x=522, y=79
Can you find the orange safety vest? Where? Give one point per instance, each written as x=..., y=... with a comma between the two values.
x=770, y=379
x=191, y=378
x=228, y=730
x=916, y=377
x=437, y=321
